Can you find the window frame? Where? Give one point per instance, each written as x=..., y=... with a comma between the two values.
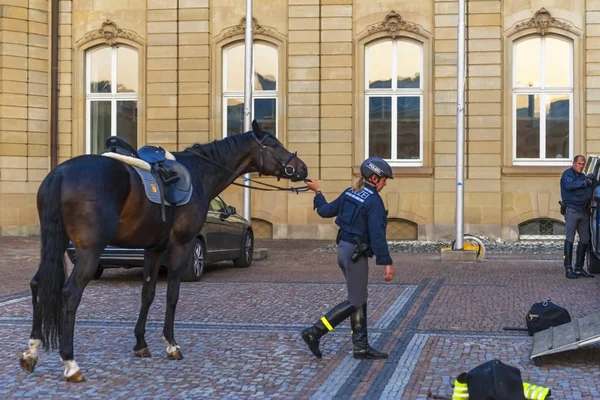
x=394, y=93
x=113, y=97
x=542, y=91
x=256, y=94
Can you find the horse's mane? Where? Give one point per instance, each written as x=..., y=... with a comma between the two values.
x=221, y=150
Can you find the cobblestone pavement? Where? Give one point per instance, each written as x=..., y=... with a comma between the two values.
x=239, y=329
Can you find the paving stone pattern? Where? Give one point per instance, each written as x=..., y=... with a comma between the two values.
x=239, y=329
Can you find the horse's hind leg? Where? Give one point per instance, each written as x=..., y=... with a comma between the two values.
x=151, y=268
x=83, y=272
x=179, y=257
x=29, y=358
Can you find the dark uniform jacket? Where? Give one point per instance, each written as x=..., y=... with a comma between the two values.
x=573, y=190
x=361, y=214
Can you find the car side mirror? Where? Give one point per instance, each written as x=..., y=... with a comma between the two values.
x=232, y=210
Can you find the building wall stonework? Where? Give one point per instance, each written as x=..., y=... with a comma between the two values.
x=321, y=98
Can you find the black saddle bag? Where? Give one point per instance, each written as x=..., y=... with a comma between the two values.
x=544, y=315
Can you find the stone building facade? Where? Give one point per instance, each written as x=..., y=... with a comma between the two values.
x=336, y=80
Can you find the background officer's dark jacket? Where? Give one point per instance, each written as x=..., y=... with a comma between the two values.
x=359, y=214
x=573, y=190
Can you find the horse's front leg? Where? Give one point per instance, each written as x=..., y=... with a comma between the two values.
x=83, y=272
x=179, y=257
x=151, y=268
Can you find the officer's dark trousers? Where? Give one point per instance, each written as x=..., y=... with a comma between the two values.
x=576, y=221
x=356, y=273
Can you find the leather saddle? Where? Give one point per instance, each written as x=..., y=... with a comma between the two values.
x=172, y=177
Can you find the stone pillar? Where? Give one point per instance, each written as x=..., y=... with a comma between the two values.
x=162, y=82
x=193, y=68
x=65, y=74
x=483, y=199
x=592, y=70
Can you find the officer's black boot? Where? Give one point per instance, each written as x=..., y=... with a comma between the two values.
x=362, y=349
x=568, y=258
x=580, y=261
x=327, y=322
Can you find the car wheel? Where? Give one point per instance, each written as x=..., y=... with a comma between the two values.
x=594, y=265
x=99, y=272
x=245, y=258
x=195, y=266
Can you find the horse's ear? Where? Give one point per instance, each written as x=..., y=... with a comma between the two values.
x=256, y=128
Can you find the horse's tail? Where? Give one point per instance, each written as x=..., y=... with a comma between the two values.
x=51, y=272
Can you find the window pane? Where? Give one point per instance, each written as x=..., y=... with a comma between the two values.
x=527, y=71
x=409, y=65
x=265, y=112
x=380, y=65
x=557, y=126
x=127, y=121
x=127, y=70
x=528, y=126
x=100, y=80
x=99, y=125
x=265, y=67
x=380, y=127
x=558, y=62
x=409, y=128
x=235, y=69
x=235, y=116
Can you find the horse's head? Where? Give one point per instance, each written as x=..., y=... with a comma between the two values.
x=271, y=158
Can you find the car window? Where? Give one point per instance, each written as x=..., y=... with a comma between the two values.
x=217, y=204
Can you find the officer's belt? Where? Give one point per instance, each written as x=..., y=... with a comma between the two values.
x=348, y=237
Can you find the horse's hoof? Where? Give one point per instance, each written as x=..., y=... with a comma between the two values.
x=145, y=352
x=76, y=377
x=27, y=363
x=175, y=355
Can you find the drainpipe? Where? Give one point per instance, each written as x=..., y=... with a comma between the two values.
x=54, y=86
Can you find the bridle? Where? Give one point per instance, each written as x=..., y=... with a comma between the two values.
x=288, y=169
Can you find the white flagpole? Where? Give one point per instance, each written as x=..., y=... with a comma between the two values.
x=460, y=128
x=248, y=99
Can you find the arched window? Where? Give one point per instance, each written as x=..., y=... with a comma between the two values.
x=394, y=101
x=401, y=229
x=111, y=95
x=262, y=229
x=541, y=229
x=265, y=88
x=542, y=99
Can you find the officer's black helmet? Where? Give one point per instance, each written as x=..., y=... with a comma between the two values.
x=377, y=166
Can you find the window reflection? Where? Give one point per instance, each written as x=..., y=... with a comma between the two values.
x=235, y=116
x=528, y=126
x=100, y=124
x=127, y=120
x=380, y=127
x=527, y=71
x=409, y=65
x=557, y=62
x=557, y=126
x=265, y=67
x=380, y=65
x=100, y=70
x=127, y=70
x=235, y=69
x=409, y=127
x=265, y=112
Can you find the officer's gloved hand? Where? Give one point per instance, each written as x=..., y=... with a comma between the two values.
x=589, y=180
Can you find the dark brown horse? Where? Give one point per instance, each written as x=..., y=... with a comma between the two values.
x=95, y=201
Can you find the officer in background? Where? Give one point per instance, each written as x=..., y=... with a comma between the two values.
x=576, y=192
x=362, y=218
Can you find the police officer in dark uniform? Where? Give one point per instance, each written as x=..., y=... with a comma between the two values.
x=362, y=218
x=576, y=192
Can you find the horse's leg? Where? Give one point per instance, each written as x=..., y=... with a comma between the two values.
x=30, y=357
x=151, y=268
x=83, y=272
x=179, y=255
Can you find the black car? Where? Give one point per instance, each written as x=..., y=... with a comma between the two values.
x=225, y=236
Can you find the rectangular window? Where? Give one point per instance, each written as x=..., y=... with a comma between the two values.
x=111, y=96
x=394, y=101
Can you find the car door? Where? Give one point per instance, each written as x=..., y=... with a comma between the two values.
x=213, y=230
x=230, y=237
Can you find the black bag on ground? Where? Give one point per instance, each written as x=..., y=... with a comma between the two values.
x=494, y=380
x=543, y=315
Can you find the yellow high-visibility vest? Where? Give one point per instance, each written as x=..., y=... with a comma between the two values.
x=531, y=392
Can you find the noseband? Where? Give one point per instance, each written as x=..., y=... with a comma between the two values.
x=288, y=169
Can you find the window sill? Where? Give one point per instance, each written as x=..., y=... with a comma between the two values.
x=401, y=172
x=555, y=171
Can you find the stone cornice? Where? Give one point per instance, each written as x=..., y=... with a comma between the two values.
x=542, y=21
x=111, y=33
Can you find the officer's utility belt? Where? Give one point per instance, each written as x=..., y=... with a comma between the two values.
x=362, y=248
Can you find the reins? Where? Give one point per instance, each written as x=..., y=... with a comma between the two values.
x=274, y=187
